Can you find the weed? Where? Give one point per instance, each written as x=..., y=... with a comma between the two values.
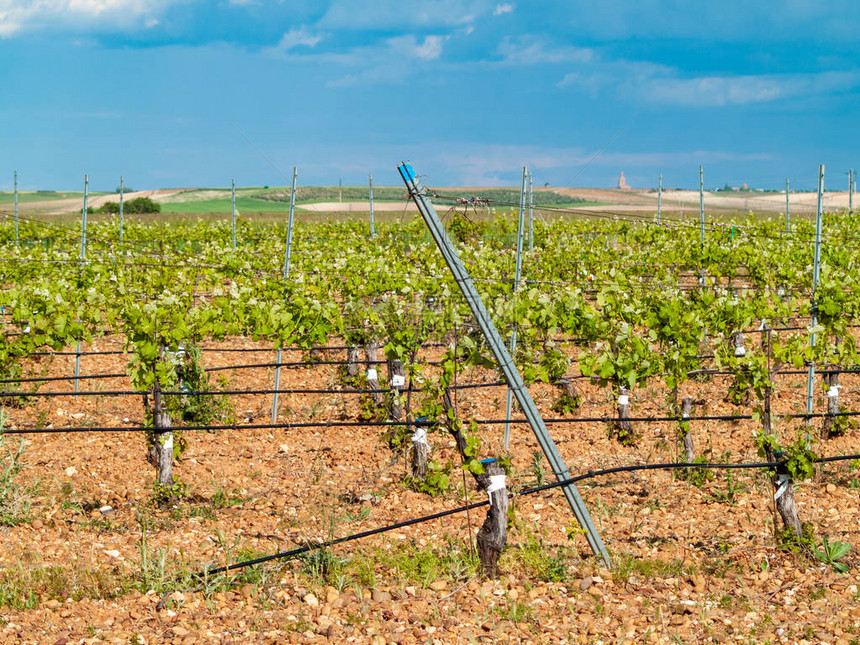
x=516, y=612
x=437, y=480
x=14, y=501
x=537, y=468
x=697, y=476
x=627, y=565
x=535, y=557
x=164, y=495
x=831, y=552
x=224, y=499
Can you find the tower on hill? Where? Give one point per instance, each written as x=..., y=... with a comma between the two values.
x=622, y=183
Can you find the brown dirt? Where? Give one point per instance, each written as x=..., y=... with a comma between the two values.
x=690, y=566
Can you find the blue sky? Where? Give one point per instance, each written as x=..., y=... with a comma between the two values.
x=169, y=93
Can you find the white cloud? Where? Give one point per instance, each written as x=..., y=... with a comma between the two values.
x=643, y=81
x=20, y=16
x=296, y=38
x=385, y=15
x=501, y=9
x=529, y=50
x=386, y=62
x=430, y=49
x=494, y=165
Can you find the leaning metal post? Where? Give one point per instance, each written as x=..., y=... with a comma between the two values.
x=286, y=275
x=497, y=345
x=506, y=441
x=816, y=268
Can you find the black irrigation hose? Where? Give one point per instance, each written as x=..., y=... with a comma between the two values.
x=385, y=424
x=528, y=491
x=381, y=390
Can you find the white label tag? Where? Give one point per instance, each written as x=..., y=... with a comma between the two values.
x=420, y=437
x=623, y=400
x=168, y=443
x=497, y=483
x=371, y=374
x=398, y=380
x=833, y=391
x=740, y=351
x=783, y=485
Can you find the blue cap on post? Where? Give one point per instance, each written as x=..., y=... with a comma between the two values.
x=406, y=171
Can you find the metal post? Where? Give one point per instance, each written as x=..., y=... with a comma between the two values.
x=506, y=364
x=233, y=209
x=816, y=267
x=787, y=209
x=659, y=195
x=84, y=220
x=850, y=190
x=531, y=214
x=121, y=195
x=702, y=204
x=702, y=218
x=517, y=273
x=370, y=186
x=286, y=275
x=16, y=207
x=83, y=259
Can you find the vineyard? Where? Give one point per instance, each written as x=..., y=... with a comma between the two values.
x=272, y=434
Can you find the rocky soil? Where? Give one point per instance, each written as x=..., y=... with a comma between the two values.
x=93, y=558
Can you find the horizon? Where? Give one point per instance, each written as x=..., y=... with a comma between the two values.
x=188, y=93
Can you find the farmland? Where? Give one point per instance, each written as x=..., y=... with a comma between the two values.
x=175, y=321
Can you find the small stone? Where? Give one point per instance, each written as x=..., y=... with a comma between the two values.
x=438, y=585
x=831, y=488
x=311, y=600
x=283, y=448
x=180, y=632
x=104, y=510
x=331, y=595
x=380, y=596
x=586, y=583
x=113, y=553
x=71, y=471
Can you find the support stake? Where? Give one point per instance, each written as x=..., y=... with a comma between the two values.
x=517, y=273
x=513, y=377
x=816, y=268
x=286, y=275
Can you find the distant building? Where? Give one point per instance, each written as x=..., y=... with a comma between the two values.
x=622, y=183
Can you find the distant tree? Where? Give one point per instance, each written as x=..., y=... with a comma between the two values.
x=137, y=206
x=124, y=189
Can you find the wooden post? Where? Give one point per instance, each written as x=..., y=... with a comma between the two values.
x=352, y=361
x=832, y=380
x=738, y=342
x=783, y=486
x=161, y=450
x=686, y=410
x=371, y=350
x=396, y=380
x=493, y=533
x=420, y=451
x=623, y=427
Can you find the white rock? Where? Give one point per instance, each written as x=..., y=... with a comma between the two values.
x=71, y=471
